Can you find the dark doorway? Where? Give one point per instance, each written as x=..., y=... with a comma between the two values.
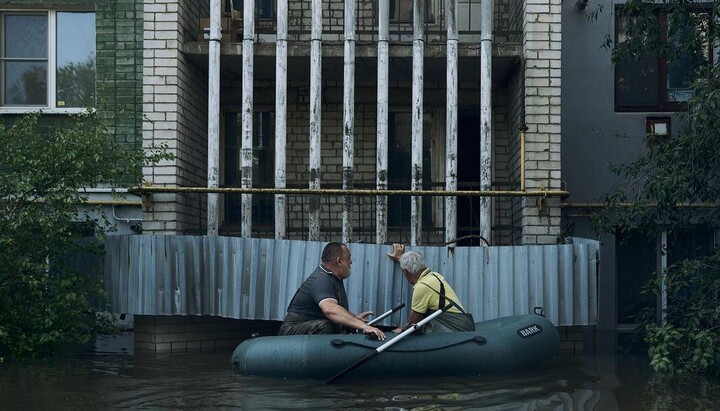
x=468, y=175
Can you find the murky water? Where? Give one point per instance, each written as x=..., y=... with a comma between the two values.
x=207, y=381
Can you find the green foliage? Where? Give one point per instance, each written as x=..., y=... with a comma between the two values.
x=45, y=303
x=675, y=184
x=689, y=339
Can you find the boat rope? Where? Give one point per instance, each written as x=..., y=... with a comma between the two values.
x=339, y=343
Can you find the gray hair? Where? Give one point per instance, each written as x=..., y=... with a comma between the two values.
x=414, y=262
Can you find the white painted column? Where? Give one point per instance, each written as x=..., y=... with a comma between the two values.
x=348, y=118
x=213, y=170
x=383, y=78
x=281, y=116
x=486, y=27
x=246, y=152
x=451, y=121
x=417, y=120
x=315, y=117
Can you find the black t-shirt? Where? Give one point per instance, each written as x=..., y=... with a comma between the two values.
x=318, y=286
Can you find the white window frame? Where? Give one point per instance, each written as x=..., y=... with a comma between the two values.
x=51, y=102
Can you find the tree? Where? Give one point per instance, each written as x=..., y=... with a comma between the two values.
x=675, y=183
x=45, y=303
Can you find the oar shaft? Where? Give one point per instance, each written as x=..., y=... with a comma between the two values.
x=410, y=330
x=385, y=314
x=365, y=359
x=389, y=344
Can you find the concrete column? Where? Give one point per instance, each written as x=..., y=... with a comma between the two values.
x=383, y=78
x=246, y=158
x=417, y=120
x=451, y=120
x=348, y=118
x=315, y=117
x=213, y=213
x=281, y=116
x=486, y=28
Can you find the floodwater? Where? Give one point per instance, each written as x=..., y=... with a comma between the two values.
x=115, y=378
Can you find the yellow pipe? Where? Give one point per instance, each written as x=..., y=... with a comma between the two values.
x=357, y=192
x=112, y=202
x=601, y=205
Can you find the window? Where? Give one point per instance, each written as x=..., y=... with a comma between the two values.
x=264, y=9
x=657, y=127
x=47, y=60
x=652, y=83
x=401, y=11
x=399, y=171
x=263, y=205
x=639, y=258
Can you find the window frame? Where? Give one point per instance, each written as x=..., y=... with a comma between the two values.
x=395, y=5
x=662, y=67
x=396, y=222
x=51, y=98
x=236, y=12
x=231, y=221
x=666, y=252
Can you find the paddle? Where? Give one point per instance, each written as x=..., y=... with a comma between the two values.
x=397, y=307
x=390, y=343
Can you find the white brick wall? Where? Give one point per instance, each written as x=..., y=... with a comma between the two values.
x=541, y=25
x=173, y=90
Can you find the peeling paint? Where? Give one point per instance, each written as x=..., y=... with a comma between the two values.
x=383, y=78
x=486, y=26
x=315, y=117
x=281, y=116
x=248, y=79
x=417, y=119
x=213, y=117
x=452, y=121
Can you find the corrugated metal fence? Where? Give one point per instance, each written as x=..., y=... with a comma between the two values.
x=256, y=278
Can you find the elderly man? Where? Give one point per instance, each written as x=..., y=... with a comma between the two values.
x=320, y=305
x=430, y=293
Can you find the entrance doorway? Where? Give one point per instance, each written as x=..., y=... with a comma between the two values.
x=468, y=178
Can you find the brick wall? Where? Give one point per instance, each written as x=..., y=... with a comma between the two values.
x=577, y=340
x=175, y=114
x=196, y=333
x=119, y=68
x=541, y=51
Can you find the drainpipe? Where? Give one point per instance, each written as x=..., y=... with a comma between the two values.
x=213, y=118
x=315, y=117
x=246, y=158
x=417, y=120
x=348, y=118
x=486, y=27
x=451, y=121
x=281, y=115
x=383, y=76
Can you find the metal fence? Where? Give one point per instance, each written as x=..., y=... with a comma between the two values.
x=256, y=278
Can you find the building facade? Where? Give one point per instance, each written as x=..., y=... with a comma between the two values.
x=306, y=100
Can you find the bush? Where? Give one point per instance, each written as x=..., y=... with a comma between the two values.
x=45, y=303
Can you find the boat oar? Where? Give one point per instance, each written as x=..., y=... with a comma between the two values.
x=389, y=312
x=389, y=344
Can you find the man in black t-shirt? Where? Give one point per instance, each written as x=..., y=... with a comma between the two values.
x=320, y=305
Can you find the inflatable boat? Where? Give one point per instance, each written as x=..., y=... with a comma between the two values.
x=500, y=345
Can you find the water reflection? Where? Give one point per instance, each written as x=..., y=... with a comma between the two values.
x=206, y=381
